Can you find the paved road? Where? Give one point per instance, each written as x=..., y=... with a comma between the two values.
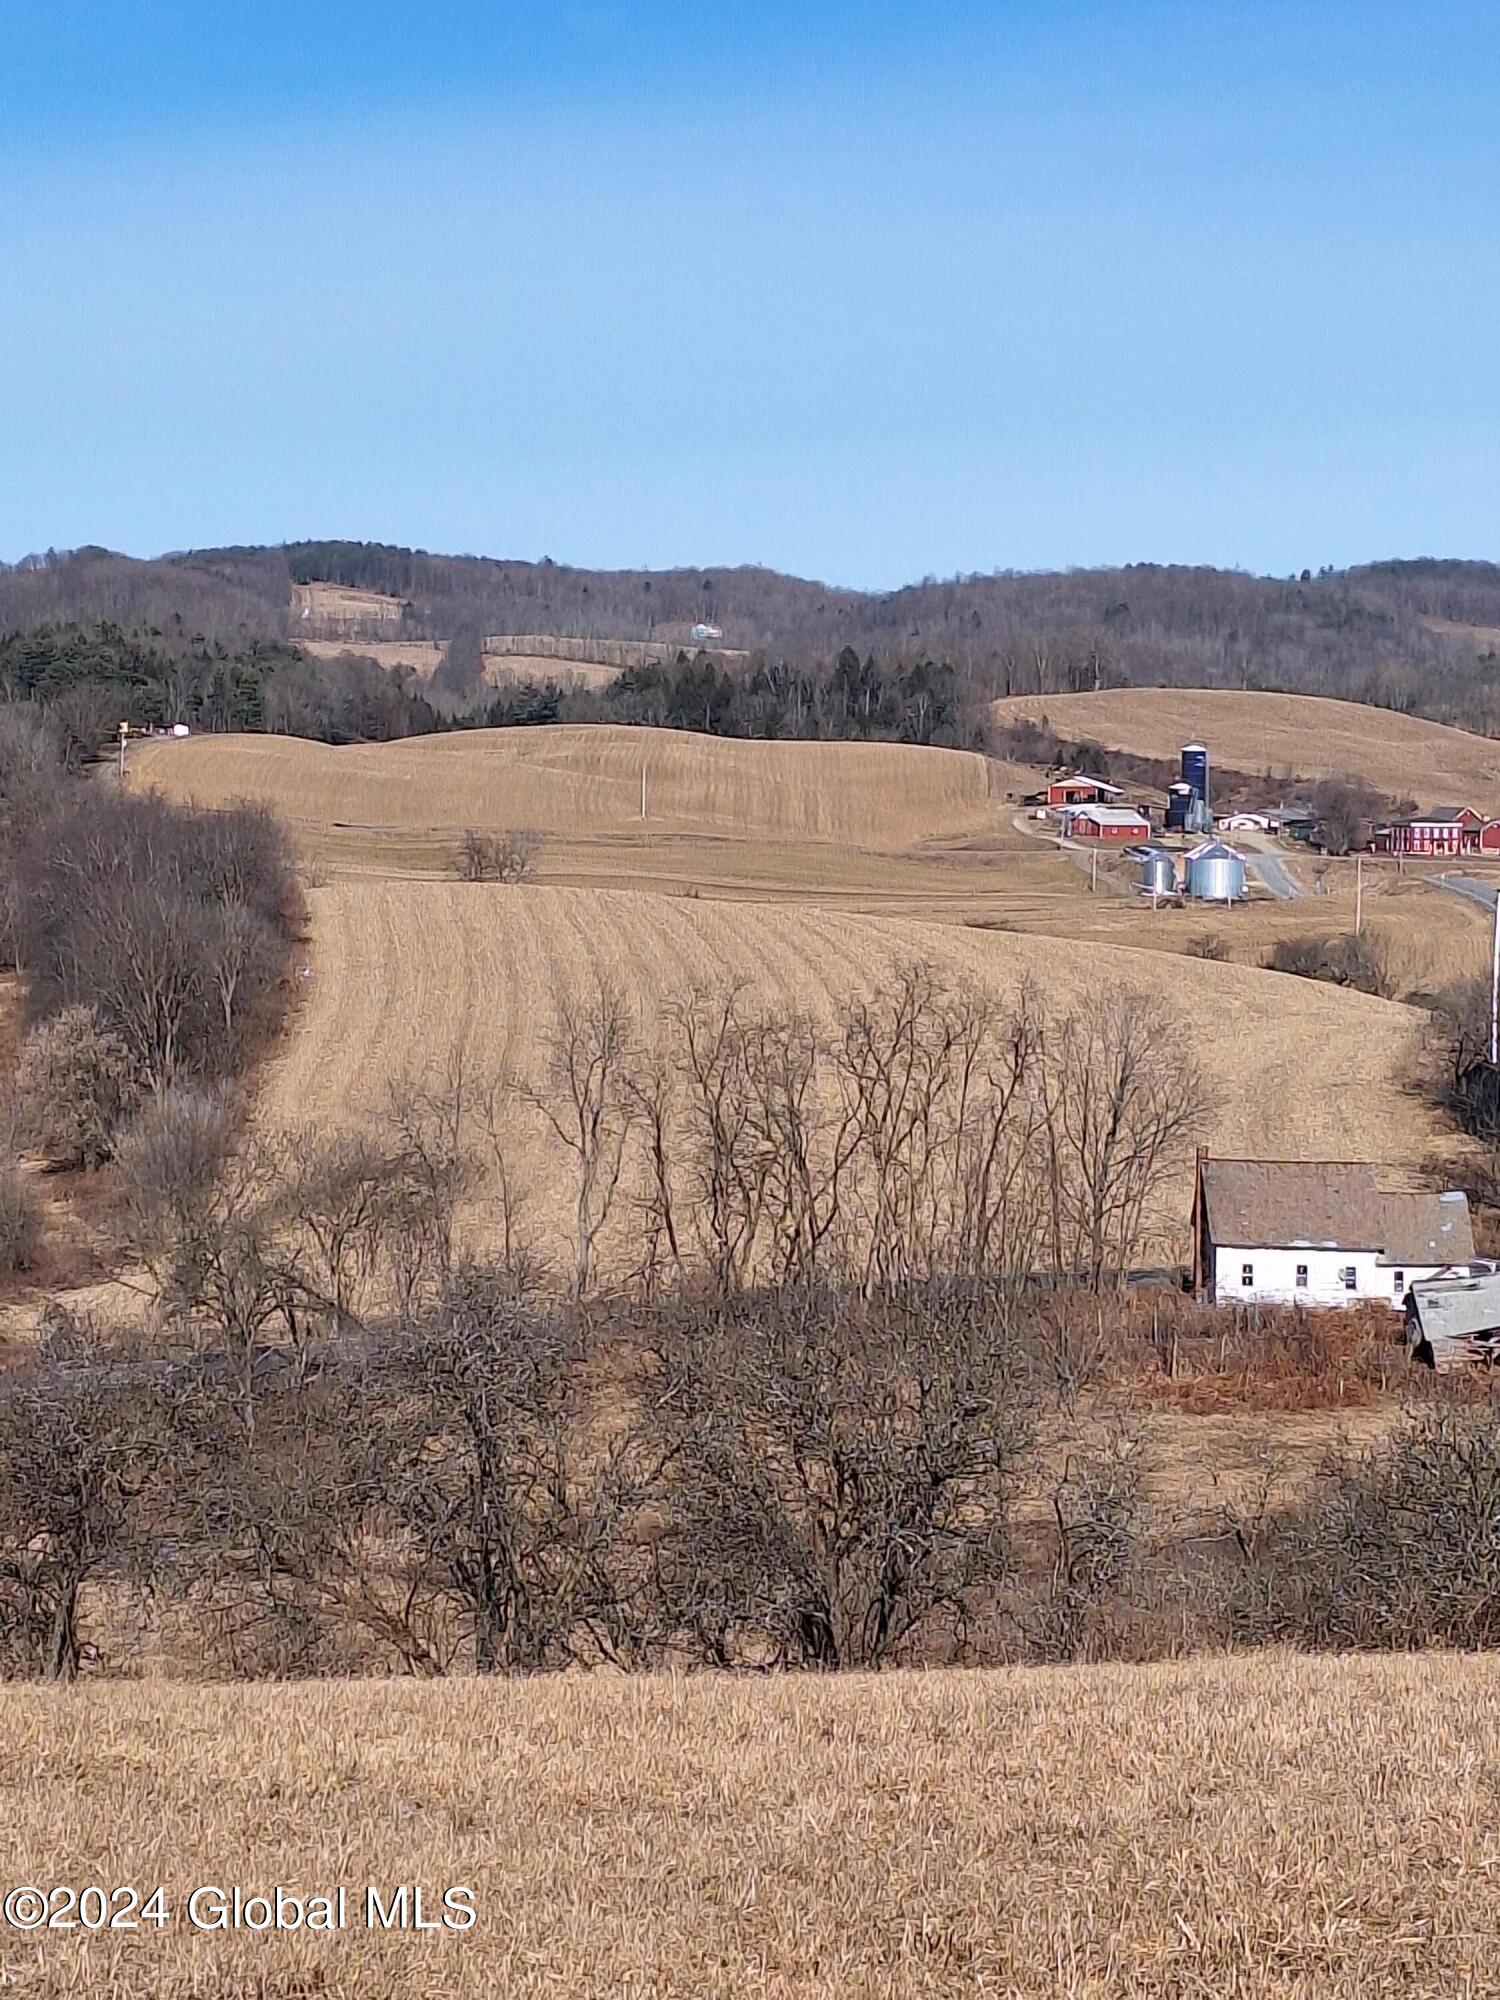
x=1469, y=886
x=1272, y=876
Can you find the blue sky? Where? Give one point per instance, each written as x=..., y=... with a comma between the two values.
x=866, y=292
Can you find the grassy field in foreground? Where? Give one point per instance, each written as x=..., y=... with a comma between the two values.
x=1266, y=1826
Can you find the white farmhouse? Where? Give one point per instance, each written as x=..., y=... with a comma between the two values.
x=1319, y=1233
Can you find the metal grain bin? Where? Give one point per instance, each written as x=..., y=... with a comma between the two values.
x=1215, y=874
x=1179, y=802
x=1195, y=769
x=1158, y=872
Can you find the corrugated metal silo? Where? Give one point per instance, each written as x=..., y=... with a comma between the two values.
x=1215, y=873
x=1158, y=872
x=1195, y=769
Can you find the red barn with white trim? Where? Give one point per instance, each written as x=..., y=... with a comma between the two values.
x=1109, y=823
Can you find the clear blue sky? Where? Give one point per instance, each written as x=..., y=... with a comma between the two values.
x=862, y=291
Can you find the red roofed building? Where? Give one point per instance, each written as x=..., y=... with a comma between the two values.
x=1444, y=830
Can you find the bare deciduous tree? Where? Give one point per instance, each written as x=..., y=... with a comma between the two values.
x=73, y=1084
x=590, y=1109
x=1122, y=1103
x=839, y=1471
x=510, y=856
x=80, y=1442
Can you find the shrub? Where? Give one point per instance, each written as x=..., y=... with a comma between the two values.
x=1358, y=962
x=74, y=1085
x=20, y=1224
x=172, y=1151
x=1397, y=1549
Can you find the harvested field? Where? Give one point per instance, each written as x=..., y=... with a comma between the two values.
x=587, y=780
x=421, y=655
x=500, y=668
x=424, y=656
x=404, y=973
x=340, y=606
x=1271, y=1826
x=1483, y=638
x=1285, y=735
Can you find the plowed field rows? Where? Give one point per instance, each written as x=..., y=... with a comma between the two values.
x=588, y=780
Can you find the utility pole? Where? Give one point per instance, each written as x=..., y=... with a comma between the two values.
x=1359, y=893
x=1495, y=992
x=1094, y=874
x=124, y=732
x=643, y=791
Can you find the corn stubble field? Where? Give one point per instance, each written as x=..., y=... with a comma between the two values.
x=1244, y=1829
x=404, y=975
x=586, y=780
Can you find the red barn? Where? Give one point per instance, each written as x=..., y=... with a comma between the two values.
x=1077, y=790
x=1110, y=823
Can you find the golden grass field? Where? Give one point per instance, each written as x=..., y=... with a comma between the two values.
x=1268, y=1828
x=421, y=655
x=587, y=780
x=1400, y=755
x=424, y=656
x=341, y=605
x=403, y=973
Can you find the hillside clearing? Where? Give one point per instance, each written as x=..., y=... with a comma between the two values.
x=1293, y=735
x=1261, y=1827
x=339, y=605
x=424, y=656
x=588, y=780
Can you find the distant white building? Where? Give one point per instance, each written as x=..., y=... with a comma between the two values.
x=702, y=634
x=1319, y=1233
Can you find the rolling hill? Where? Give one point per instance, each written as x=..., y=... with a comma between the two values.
x=587, y=780
x=1412, y=634
x=1305, y=736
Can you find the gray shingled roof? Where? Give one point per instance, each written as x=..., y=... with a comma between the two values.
x=1333, y=1205
x=1454, y=1308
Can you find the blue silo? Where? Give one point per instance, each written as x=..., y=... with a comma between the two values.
x=1195, y=769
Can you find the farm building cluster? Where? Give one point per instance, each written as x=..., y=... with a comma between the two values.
x=1091, y=810
x=1094, y=812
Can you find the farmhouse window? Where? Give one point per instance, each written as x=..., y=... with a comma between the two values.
x=1351, y=1278
x=1301, y=1277
x=1247, y=1275
x=1400, y=1283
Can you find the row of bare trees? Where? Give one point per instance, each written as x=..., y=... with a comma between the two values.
x=928, y=1130
x=782, y=1479
x=777, y=1479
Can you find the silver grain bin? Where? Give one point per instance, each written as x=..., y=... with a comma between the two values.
x=1158, y=872
x=1215, y=873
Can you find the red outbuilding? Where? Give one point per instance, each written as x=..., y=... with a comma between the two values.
x=1109, y=823
x=1078, y=789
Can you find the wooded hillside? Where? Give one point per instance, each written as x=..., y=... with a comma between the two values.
x=1419, y=637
